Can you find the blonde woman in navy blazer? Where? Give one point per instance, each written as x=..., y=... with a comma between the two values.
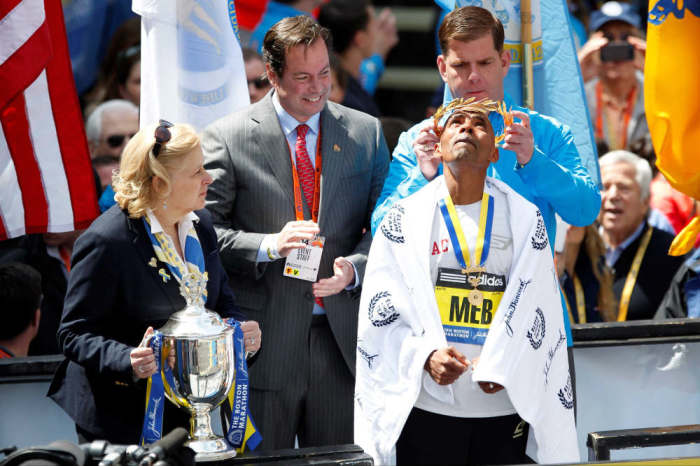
x=119, y=290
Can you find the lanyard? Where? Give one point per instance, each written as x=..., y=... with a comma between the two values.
x=580, y=300
x=632, y=276
x=626, y=116
x=298, y=205
x=459, y=242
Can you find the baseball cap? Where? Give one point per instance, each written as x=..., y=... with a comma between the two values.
x=614, y=11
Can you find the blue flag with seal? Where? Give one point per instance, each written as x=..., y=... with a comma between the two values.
x=557, y=82
x=191, y=61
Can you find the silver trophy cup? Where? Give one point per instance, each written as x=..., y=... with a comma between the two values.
x=198, y=347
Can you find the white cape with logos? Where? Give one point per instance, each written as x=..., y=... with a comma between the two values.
x=399, y=325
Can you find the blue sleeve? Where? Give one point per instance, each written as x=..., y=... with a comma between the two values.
x=371, y=70
x=555, y=173
x=404, y=177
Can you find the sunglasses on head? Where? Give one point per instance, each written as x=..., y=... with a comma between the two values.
x=116, y=140
x=259, y=83
x=162, y=136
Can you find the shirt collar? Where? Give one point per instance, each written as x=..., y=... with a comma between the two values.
x=185, y=221
x=289, y=123
x=630, y=239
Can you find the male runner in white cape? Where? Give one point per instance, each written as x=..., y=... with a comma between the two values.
x=461, y=354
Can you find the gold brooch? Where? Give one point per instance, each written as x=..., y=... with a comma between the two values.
x=153, y=262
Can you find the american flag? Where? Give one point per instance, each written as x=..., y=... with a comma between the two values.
x=46, y=180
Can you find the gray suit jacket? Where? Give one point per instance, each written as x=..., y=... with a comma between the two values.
x=252, y=195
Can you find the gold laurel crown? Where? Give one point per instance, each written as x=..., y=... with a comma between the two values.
x=471, y=105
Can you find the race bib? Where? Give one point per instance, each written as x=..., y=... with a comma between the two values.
x=466, y=311
x=303, y=263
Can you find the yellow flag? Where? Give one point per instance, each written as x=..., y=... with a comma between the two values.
x=672, y=94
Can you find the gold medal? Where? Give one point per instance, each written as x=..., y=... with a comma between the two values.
x=476, y=298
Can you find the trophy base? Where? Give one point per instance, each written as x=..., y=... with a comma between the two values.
x=214, y=449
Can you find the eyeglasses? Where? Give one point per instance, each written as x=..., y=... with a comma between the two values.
x=162, y=136
x=105, y=160
x=259, y=83
x=117, y=140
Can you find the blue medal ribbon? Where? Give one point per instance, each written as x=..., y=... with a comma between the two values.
x=152, y=429
x=241, y=430
x=194, y=257
x=155, y=398
x=459, y=241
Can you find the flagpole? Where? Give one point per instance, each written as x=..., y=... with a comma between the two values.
x=526, y=40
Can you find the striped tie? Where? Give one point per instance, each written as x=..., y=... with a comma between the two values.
x=306, y=173
x=304, y=167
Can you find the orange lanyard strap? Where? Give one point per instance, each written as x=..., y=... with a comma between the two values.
x=599, y=114
x=298, y=203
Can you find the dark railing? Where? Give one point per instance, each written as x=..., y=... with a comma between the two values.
x=636, y=332
x=600, y=443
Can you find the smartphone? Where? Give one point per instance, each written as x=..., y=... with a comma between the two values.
x=618, y=50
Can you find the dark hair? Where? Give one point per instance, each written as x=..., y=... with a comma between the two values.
x=126, y=59
x=392, y=128
x=341, y=75
x=643, y=147
x=290, y=32
x=127, y=35
x=249, y=53
x=344, y=18
x=20, y=295
x=470, y=23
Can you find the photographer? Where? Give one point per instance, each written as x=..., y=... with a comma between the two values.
x=612, y=61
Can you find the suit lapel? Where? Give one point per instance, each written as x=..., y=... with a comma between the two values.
x=336, y=158
x=144, y=248
x=266, y=134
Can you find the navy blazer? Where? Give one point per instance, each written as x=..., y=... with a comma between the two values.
x=113, y=296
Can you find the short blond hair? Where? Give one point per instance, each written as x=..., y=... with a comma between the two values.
x=133, y=183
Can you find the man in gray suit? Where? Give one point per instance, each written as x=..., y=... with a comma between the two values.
x=296, y=177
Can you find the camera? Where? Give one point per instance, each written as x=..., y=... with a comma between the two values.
x=619, y=50
x=168, y=451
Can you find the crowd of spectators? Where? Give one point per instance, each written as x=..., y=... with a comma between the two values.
x=608, y=260
x=595, y=260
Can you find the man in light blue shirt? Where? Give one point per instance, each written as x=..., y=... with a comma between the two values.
x=538, y=157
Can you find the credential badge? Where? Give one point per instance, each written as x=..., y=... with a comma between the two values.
x=537, y=331
x=392, y=226
x=539, y=240
x=381, y=309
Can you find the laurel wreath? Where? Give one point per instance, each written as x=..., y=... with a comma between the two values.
x=393, y=217
x=531, y=336
x=373, y=302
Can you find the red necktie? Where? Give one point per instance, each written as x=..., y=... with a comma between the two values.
x=306, y=173
x=304, y=168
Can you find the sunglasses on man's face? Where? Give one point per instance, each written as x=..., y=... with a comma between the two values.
x=116, y=140
x=259, y=83
x=105, y=160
